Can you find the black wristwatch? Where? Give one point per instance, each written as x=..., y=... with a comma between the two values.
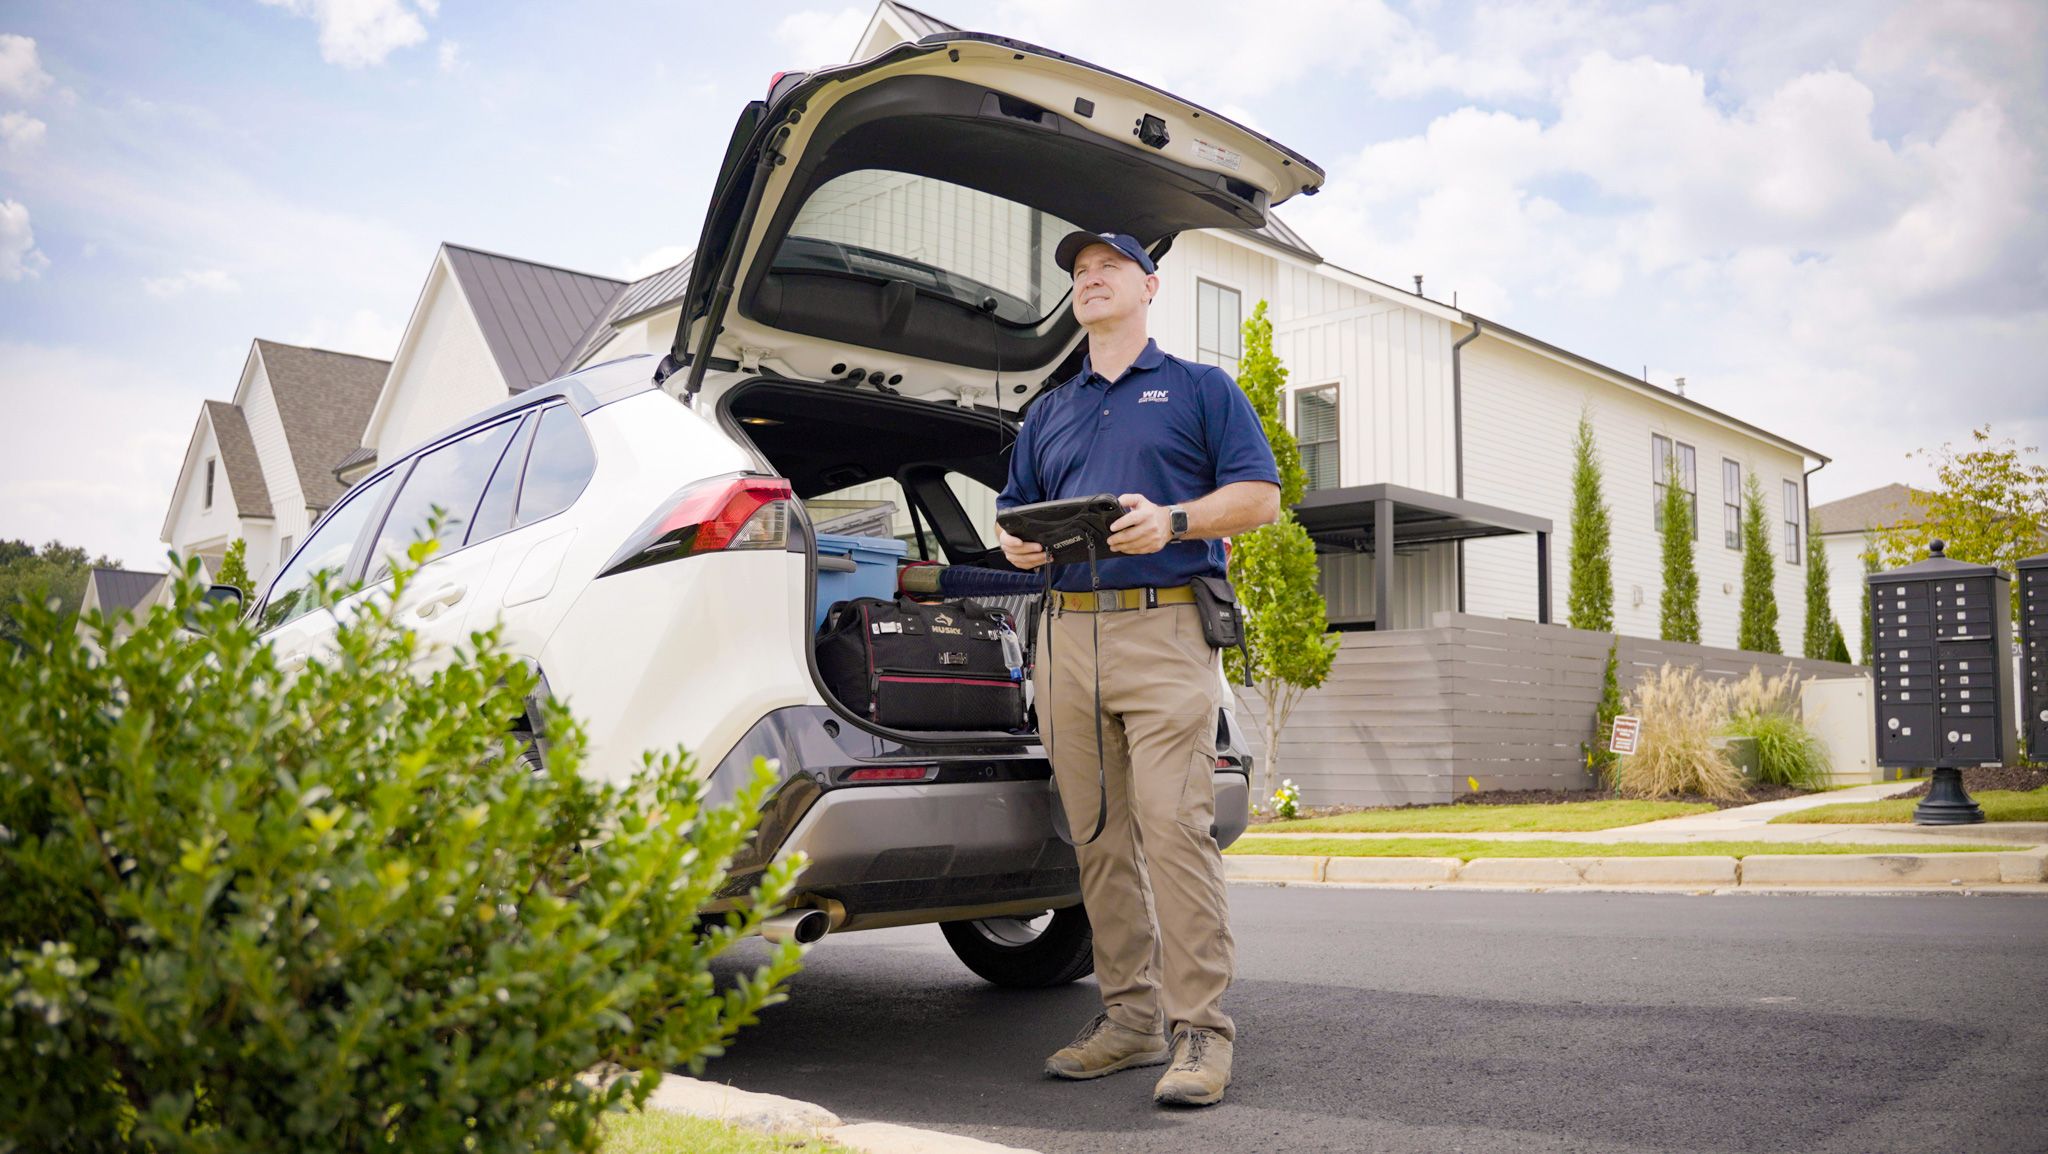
x=1179, y=521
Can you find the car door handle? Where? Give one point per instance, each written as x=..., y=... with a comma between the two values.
x=292, y=662
x=434, y=602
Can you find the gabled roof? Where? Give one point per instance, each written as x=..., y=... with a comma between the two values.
x=532, y=315
x=649, y=294
x=323, y=400
x=238, y=457
x=921, y=24
x=1880, y=508
x=119, y=589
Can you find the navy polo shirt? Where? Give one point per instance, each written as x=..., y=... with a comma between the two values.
x=1171, y=429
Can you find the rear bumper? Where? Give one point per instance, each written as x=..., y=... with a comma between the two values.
x=974, y=843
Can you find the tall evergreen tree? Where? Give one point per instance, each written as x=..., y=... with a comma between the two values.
x=234, y=567
x=1820, y=617
x=1678, y=616
x=1591, y=603
x=1274, y=568
x=1757, y=630
x=1869, y=630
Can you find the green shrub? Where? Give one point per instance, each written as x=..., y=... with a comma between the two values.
x=242, y=911
x=1600, y=759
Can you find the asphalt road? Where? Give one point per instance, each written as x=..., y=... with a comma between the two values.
x=1434, y=1021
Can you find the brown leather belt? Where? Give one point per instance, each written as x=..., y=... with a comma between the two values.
x=1113, y=600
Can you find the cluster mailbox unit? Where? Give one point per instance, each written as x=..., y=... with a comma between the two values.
x=2034, y=660
x=1944, y=682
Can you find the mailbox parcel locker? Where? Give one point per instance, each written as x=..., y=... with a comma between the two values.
x=1943, y=664
x=2033, y=630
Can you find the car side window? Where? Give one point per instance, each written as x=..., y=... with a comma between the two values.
x=558, y=468
x=293, y=594
x=451, y=480
x=494, y=514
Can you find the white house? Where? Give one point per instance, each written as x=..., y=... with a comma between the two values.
x=261, y=466
x=485, y=326
x=1845, y=528
x=1459, y=427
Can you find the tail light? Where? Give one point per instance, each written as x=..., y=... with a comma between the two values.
x=715, y=516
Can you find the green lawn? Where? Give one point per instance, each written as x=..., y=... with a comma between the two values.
x=655, y=1132
x=1999, y=805
x=1563, y=817
x=1466, y=849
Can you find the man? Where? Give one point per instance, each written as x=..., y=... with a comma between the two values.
x=1181, y=446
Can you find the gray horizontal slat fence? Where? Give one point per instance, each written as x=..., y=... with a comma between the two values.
x=1409, y=715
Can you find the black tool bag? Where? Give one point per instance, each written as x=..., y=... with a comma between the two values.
x=915, y=665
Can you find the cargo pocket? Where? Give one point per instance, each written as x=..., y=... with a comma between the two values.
x=1197, y=808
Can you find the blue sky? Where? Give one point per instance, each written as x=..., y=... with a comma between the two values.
x=1826, y=217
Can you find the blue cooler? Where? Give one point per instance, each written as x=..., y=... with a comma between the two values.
x=873, y=573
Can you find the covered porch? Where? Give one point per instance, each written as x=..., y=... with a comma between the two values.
x=1392, y=521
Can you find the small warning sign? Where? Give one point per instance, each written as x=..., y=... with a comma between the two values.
x=1623, y=739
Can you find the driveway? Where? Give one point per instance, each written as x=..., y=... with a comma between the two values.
x=1515, y=1022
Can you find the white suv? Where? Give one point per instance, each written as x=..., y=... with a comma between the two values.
x=873, y=302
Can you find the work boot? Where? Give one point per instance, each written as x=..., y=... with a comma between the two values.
x=1104, y=1047
x=1200, y=1070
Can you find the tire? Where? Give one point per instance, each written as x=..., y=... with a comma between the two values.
x=1051, y=949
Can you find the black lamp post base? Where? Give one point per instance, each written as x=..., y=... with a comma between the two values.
x=1946, y=803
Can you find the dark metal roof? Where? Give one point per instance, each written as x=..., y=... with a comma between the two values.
x=1344, y=519
x=123, y=588
x=238, y=458
x=649, y=294
x=362, y=456
x=532, y=315
x=324, y=401
x=1277, y=234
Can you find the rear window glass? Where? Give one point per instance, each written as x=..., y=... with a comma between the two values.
x=944, y=238
x=558, y=468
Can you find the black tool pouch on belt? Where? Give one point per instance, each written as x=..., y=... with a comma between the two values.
x=1222, y=617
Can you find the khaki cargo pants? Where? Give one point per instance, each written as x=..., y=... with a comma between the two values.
x=1153, y=882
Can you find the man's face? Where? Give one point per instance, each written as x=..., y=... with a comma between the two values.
x=1109, y=286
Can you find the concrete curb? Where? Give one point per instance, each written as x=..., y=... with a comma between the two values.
x=1774, y=870
x=776, y=1114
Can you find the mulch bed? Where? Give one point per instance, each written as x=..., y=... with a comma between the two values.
x=1977, y=778
x=1756, y=794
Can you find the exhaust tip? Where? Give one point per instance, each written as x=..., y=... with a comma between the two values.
x=802, y=926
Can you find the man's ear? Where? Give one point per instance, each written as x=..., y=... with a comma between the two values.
x=1151, y=287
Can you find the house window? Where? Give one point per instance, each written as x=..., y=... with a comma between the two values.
x=284, y=549
x=1792, y=542
x=1661, y=448
x=1731, y=503
x=1315, y=427
x=209, y=484
x=1219, y=325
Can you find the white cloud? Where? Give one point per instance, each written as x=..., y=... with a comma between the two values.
x=21, y=131
x=816, y=38
x=200, y=279
x=90, y=453
x=361, y=33
x=449, y=56
x=653, y=261
x=21, y=73
x=19, y=257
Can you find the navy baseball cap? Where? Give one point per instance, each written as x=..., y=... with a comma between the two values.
x=1071, y=246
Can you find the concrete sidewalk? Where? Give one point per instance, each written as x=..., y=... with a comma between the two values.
x=2023, y=869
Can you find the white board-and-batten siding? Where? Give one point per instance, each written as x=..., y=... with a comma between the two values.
x=443, y=373
x=1521, y=416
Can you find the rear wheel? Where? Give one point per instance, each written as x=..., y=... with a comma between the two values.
x=1048, y=949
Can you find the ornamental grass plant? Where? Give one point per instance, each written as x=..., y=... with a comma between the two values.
x=1765, y=709
x=246, y=910
x=1681, y=714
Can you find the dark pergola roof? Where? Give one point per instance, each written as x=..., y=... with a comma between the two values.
x=1347, y=518
x=1381, y=519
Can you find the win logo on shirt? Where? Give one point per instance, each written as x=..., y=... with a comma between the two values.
x=1153, y=395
